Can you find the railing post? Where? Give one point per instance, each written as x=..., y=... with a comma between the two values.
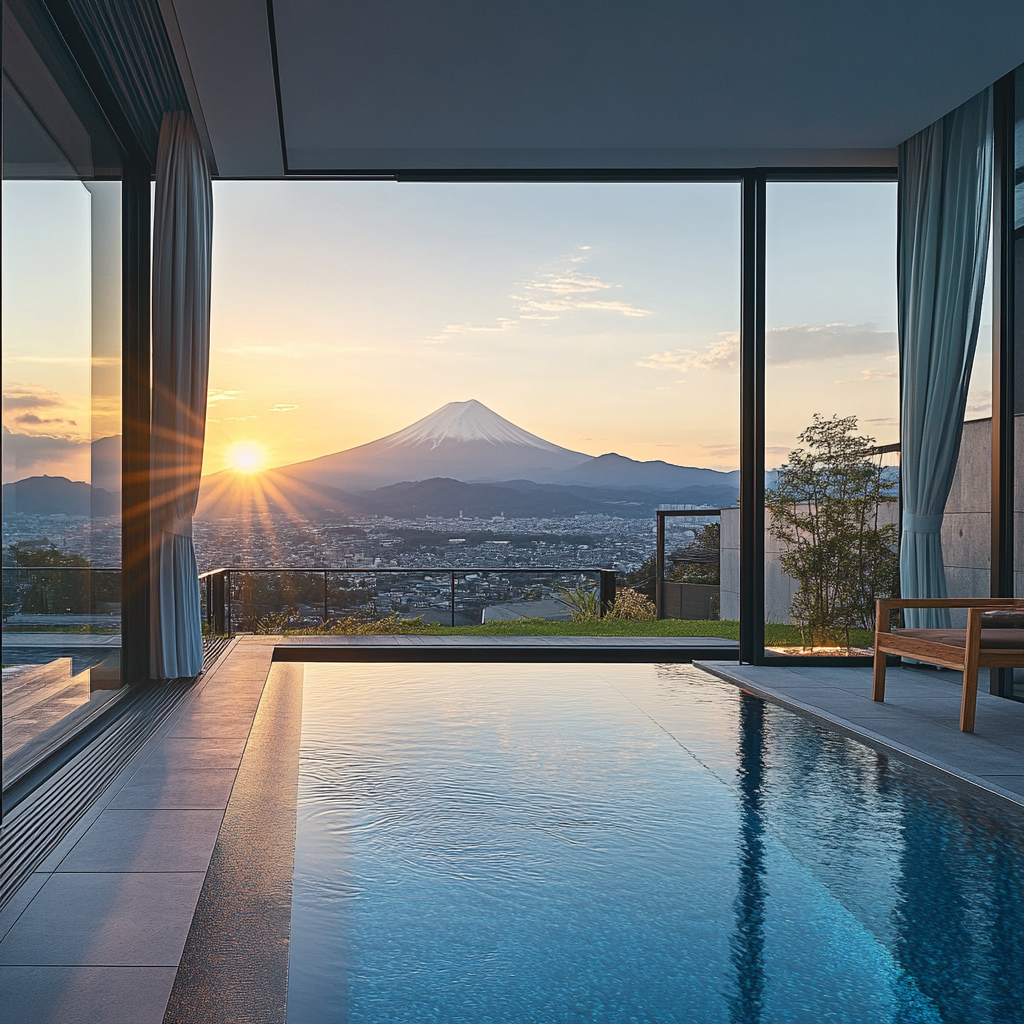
x=659, y=564
x=217, y=603
x=453, y=597
x=325, y=595
x=607, y=591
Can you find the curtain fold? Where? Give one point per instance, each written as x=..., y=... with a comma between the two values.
x=945, y=177
x=182, y=250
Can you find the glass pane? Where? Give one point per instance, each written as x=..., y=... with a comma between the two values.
x=832, y=414
x=61, y=328
x=470, y=377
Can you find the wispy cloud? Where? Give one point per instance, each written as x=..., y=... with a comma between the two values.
x=282, y=407
x=31, y=419
x=501, y=325
x=66, y=360
x=238, y=419
x=549, y=294
x=784, y=346
x=215, y=395
x=36, y=410
x=871, y=375
x=565, y=288
x=722, y=354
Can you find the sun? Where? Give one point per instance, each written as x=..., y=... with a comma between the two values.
x=246, y=457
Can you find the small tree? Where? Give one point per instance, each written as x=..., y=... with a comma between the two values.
x=825, y=509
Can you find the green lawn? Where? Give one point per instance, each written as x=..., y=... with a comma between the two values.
x=775, y=635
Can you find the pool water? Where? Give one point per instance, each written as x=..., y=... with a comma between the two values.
x=635, y=843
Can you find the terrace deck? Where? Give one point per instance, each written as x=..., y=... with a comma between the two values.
x=99, y=929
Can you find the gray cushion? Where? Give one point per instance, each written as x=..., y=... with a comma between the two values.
x=1002, y=618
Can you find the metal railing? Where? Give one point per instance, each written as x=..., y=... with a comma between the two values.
x=53, y=592
x=242, y=595
x=681, y=599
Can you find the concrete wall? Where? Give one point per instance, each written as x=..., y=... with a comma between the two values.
x=966, y=532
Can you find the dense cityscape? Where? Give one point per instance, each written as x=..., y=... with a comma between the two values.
x=487, y=551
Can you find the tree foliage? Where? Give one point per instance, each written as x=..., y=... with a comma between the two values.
x=825, y=508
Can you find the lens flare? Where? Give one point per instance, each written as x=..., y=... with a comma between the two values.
x=246, y=457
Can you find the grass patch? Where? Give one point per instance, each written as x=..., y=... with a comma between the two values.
x=776, y=635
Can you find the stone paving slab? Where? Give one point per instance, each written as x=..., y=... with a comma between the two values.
x=97, y=933
x=920, y=718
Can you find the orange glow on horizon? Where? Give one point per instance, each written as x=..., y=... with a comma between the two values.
x=247, y=457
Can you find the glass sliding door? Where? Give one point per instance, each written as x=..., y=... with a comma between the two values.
x=438, y=375
x=61, y=389
x=831, y=414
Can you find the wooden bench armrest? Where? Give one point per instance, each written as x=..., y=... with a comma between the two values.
x=885, y=605
x=949, y=602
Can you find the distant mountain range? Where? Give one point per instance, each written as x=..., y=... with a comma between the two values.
x=57, y=495
x=464, y=458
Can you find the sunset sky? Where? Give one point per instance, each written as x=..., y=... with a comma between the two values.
x=601, y=317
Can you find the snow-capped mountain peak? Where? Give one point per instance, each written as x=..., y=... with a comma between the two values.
x=466, y=421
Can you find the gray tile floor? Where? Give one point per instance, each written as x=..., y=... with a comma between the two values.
x=919, y=719
x=97, y=933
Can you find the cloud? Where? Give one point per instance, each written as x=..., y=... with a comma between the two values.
x=238, y=419
x=784, y=346
x=214, y=395
x=722, y=354
x=32, y=419
x=24, y=402
x=869, y=375
x=282, y=407
x=805, y=343
x=547, y=295
x=979, y=405
x=66, y=360
x=18, y=397
x=502, y=324
x=39, y=454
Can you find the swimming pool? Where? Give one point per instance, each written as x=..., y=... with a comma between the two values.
x=631, y=843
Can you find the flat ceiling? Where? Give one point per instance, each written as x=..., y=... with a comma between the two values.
x=318, y=87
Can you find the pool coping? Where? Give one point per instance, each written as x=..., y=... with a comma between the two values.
x=520, y=649
x=758, y=680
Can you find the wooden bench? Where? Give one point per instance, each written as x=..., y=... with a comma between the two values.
x=966, y=650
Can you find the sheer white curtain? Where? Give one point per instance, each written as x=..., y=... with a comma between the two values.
x=182, y=244
x=945, y=209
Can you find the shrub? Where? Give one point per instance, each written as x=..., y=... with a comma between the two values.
x=632, y=606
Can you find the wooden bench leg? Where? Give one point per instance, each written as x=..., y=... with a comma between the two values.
x=878, y=687
x=969, y=698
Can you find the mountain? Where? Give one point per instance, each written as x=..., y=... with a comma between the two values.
x=228, y=495
x=617, y=471
x=523, y=499
x=57, y=495
x=461, y=440
x=466, y=458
